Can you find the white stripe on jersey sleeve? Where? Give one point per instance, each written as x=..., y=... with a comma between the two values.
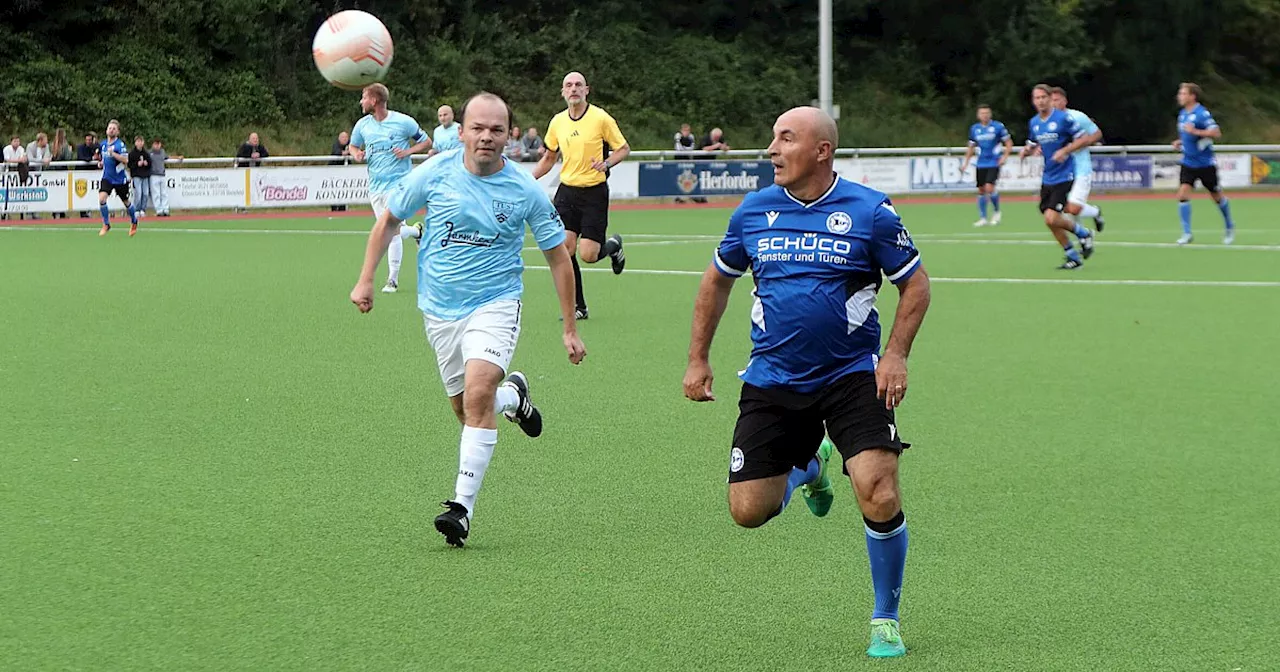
x=726, y=268
x=906, y=268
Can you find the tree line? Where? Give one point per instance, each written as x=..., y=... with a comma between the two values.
x=906, y=71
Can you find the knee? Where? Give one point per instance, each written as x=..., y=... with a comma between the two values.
x=589, y=256
x=748, y=515
x=879, y=497
x=478, y=402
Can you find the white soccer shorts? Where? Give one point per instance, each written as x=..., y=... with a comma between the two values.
x=379, y=203
x=1079, y=193
x=490, y=334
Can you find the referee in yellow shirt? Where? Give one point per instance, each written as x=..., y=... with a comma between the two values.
x=591, y=144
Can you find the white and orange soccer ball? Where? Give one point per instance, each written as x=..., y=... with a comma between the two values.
x=352, y=50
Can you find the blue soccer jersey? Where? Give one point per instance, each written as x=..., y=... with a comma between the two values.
x=1083, y=159
x=379, y=139
x=113, y=171
x=474, y=232
x=817, y=269
x=1053, y=133
x=444, y=139
x=1197, y=152
x=987, y=139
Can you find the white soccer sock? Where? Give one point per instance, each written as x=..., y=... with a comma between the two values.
x=407, y=231
x=395, y=254
x=507, y=399
x=1089, y=210
x=474, y=454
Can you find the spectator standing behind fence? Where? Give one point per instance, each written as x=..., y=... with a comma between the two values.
x=159, y=181
x=15, y=158
x=87, y=153
x=714, y=142
x=342, y=150
x=140, y=172
x=685, y=142
x=533, y=147
x=39, y=154
x=251, y=152
x=62, y=152
x=514, y=149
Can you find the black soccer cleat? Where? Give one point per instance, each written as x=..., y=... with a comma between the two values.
x=453, y=524
x=579, y=314
x=619, y=258
x=1086, y=247
x=1098, y=222
x=525, y=414
x=1070, y=265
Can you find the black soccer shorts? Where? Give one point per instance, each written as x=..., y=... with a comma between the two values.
x=779, y=429
x=987, y=176
x=1208, y=176
x=121, y=190
x=1054, y=196
x=584, y=210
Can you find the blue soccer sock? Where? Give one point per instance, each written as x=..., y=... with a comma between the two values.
x=1184, y=213
x=1225, y=206
x=1081, y=232
x=887, y=551
x=133, y=214
x=799, y=477
x=995, y=200
x=982, y=205
x=106, y=215
x=1071, y=252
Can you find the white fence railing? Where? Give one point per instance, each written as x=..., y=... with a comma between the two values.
x=288, y=181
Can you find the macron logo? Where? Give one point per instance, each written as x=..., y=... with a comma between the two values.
x=888, y=207
x=893, y=432
x=772, y=216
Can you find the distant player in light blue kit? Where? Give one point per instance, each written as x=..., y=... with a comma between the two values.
x=993, y=144
x=818, y=247
x=469, y=288
x=1078, y=200
x=113, y=160
x=385, y=138
x=445, y=136
x=1056, y=135
x=1196, y=133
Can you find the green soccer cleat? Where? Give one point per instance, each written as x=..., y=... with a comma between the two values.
x=886, y=641
x=819, y=494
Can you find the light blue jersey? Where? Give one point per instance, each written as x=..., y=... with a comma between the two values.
x=474, y=232
x=378, y=139
x=444, y=139
x=1084, y=162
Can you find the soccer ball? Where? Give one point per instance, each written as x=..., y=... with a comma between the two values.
x=352, y=50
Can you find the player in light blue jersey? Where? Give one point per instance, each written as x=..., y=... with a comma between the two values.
x=113, y=161
x=1055, y=135
x=386, y=139
x=470, y=286
x=1196, y=132
x=818, y=247
x=1078, y=199
x=993, y=145
x=445, y=137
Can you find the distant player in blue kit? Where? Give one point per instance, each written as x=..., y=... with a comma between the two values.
x=470, y=285
x=386, y=139
x=1055, y=134
x=1196, y=133
x=1078, y=199
x=817, y=247
x=993, y=145
x=114, y=159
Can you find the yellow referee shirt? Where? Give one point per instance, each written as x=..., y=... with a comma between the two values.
x=581, y=143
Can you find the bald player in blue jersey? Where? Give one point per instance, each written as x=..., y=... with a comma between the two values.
x=818, y=247
x=991, y=141
x=387, y=140
x=1056, y=135
x=470, y=285
x=1196, y=132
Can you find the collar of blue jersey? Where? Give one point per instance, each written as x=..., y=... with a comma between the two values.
x=818, y=199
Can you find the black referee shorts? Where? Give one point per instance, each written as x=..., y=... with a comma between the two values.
x=780, y=429
x=584, y=210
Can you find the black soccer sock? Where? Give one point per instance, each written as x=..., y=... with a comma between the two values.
x=577, y=283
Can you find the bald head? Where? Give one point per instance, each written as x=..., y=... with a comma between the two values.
x=574, y=89
x=445, y=115
x=485, y=121
x=803, y=149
